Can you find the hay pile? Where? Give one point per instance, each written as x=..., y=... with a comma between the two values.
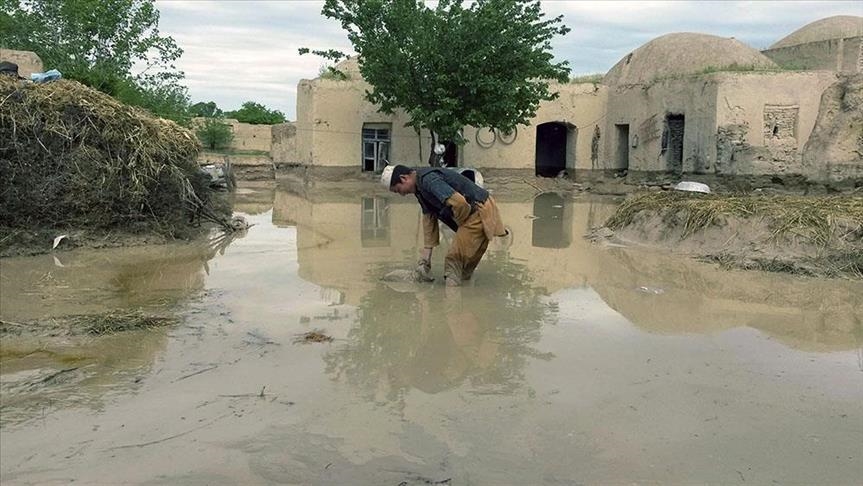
x=74, y=157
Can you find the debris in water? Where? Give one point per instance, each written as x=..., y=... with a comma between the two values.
x=404, y=275
x=651, y=290
x=315, y=336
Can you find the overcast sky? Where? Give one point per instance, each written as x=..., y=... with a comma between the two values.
x=237, y=51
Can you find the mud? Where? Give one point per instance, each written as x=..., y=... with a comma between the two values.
x=563, y=362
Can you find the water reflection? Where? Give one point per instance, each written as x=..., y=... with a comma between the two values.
x=39, y=371
x=375, y=222
x=439, y=338
x=551, y=228
x=657, y=292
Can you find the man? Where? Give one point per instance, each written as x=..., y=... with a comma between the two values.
x=447, y=196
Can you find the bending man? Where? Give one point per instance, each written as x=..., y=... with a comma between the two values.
x=447, y=196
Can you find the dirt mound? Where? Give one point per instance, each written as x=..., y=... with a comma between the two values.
x=797, y=234
x=74, y=157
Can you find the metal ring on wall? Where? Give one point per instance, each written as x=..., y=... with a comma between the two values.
x=485, y=143
x=507, y=138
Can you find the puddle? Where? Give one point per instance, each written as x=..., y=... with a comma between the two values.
x=561, y=363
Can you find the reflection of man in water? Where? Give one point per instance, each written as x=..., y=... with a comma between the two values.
x=447, y=196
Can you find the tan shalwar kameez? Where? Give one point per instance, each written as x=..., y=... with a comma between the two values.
x=475, y=230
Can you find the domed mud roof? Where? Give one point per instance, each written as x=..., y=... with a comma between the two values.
x=838, y=27
x=683, y=53
x=349, y=66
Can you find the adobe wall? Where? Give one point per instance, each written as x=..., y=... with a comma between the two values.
x=331, y=114
x=765, y=119
x=251, y=137
x=330, y=118
x=844, y=55
x=644, y=109
x=28, y=62
x=834, y=151
x=246, y=135
x=579, y=106
x=284, y=143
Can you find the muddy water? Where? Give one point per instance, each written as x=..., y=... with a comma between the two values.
x=562, y=363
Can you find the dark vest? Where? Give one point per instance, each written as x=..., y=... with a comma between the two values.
x=432, y=192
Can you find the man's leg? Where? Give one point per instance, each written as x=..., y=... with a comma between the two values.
x=473, y=261
x=466, y=250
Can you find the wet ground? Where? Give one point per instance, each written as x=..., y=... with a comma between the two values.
x=562, y=363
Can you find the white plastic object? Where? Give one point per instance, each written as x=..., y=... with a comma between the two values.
x=690, y=186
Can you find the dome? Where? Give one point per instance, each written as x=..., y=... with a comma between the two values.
x=838, y=27
x=683, y=53
x=350, y=66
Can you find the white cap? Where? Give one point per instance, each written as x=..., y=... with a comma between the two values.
x=440, y=149
x=387, y=176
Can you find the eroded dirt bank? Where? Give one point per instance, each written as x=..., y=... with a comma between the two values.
x=809, y=235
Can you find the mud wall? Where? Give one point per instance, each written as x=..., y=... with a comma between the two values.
x=331, y=115
x=647, y=110
x=580, y=107
x=843, y=55
x=284, y=143
x=330, y=118
x=251, y=137
x=764, y=120
x=28, y=62
x=834, y=151
x=246, y=135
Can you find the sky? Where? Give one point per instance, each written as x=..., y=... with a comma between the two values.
x=236, y=51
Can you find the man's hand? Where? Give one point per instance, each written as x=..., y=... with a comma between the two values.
x=423, y=270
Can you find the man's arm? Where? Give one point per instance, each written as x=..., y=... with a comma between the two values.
x=431, y=239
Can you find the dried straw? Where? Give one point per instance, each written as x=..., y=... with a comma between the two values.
x=71, y=155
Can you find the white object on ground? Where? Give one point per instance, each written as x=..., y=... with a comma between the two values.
x=57, y=240
x=690, y=186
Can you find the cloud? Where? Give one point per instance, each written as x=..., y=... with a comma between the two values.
x=237, y=51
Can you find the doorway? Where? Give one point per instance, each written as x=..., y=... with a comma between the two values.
x=675, y=126
x=622, y=153
x=450, y=156
x=551, y=148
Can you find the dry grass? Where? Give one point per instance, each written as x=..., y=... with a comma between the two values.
x=71, y=155
x=316, y=336
x=89, y=324
x=821, y=221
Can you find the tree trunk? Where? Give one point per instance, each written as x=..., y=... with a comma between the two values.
x=434, y=159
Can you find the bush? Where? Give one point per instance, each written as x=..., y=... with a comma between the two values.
x=215, y=134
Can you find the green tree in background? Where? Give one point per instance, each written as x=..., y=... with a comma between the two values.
x=215, y=134
x=486, y=64
x=257, y=114
x=98, y=42
x=207, y=110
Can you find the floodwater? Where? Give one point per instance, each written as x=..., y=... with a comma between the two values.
x=562, y=362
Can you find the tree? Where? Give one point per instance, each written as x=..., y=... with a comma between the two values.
x=215, y=134
x=257, y=114
x=97, y=42
x=207, y=110
x=486, y=64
